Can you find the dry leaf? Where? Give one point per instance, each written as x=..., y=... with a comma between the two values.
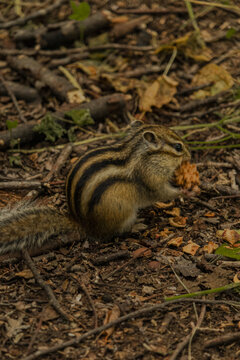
x=176, y=241
x=174, y=212
x=215, y=74
x=88, y=69
x=49, y=314
x=210, y=214
x=73, y=160
x=178, y=221
x=198, y=53
x=26, y=274
x=141, y=252
x=162, y=205
x=122, y=84
x=236, y=279
x=210, y=247
x=111, y=316
x=75, y=96
x=154, y=265
x=15, y=328
x=120, y=19
x=231, y=236
x=165, y=232
x=191, y=248
x=158, y=93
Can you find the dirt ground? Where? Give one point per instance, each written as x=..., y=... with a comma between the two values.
x=164, y=68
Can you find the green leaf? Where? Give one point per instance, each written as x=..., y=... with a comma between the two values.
x=225, y=250
x=11, y=124
x=236, y=93
x=230, y=33
x=73, y=6
x=50, y=128
x=70, y=134
x=15, y=160
x=80, y=12
x=81, y=117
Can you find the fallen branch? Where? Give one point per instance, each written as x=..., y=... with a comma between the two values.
x=66, y=33
x=99, y=109
x=59, y=85
x=22, y=92
x=224, y=339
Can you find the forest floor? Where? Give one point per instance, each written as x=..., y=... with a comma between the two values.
x=162, y=64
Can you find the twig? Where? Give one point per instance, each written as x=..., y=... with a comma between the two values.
x=22, y=184
x=166, y=322
x=196, y=328
x=214, y=164
x=185, y=287
x=61, y=160
x=77, y=143
x=155, y=11
x=226, y=197
x=132, y=315
x=103, y=259
x=201, y=102
x=106, y=276
x=190, y=90
x=182, y=344
x=204, y=203
x=230, y=264
x=53, y=301
x=226, y=7
x=219, y=188
x=35, y=15
x=224, y=339
x=13, y=97
x=85, y=290
x=36, y=332
x=170, y=62
x=76, y=51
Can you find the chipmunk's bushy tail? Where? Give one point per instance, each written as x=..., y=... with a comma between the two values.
x=28, y=227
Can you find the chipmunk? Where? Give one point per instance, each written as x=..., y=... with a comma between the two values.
x=104, y=189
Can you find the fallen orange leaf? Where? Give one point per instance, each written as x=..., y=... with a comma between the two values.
x=176, y=241
x=191, y=248
x=178, y=221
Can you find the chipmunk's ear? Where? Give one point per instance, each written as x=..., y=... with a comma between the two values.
x=136, y=124
x=151, y=139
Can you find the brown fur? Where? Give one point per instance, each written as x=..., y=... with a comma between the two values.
x=105, y=189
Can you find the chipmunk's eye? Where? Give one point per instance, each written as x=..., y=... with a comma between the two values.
x=178, y=147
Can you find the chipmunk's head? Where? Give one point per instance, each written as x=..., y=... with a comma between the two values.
x=162, y=151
